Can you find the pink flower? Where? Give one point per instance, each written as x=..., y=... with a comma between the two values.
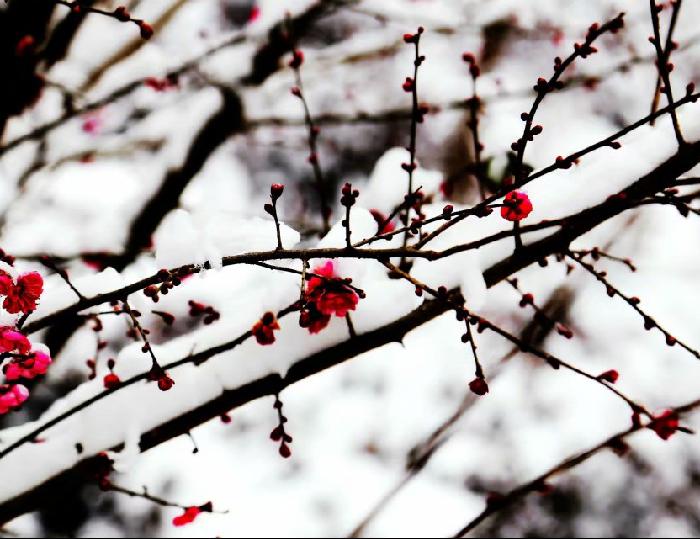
x=12, y=397
x=23, y=295
x=516, y=206
x=12, y=340
x=28, y=368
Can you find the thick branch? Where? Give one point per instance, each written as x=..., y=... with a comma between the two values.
x=262, y=387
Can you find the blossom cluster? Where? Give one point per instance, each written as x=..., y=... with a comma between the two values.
x=326, y=295
x=22, y=360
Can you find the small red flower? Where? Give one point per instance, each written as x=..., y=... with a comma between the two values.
x=111, y=381
x=516, y=206
x=187, y=517
x=331, y=295
x=263, y=330
x=479, y=386
x=610, y=376
x=23, y=295
x=665, y=424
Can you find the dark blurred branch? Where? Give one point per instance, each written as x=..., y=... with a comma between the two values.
x=507, y=500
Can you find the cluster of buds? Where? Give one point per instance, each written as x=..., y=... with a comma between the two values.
x=409, y=85
x=122, y=14
x=208, y=313
x=348, y=199
x=167, y=281
x=478, y=385
x=529, y=134
x=350, y=196
x=279, y=434
x=276, y=190
x=415, y=201
x=414, y=39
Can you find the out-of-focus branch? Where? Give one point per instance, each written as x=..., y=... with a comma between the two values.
x=509, y=499
x=130, y=48
x=662, y=58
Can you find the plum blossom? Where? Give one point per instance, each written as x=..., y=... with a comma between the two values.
x=21, y=296
x=12, y=340
x=12, y=397
x=330, y=293
x=516, y=206
x=327, y=295
x=28, y=368
x=263, y=330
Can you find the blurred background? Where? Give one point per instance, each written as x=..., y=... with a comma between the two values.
x=362, y=430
